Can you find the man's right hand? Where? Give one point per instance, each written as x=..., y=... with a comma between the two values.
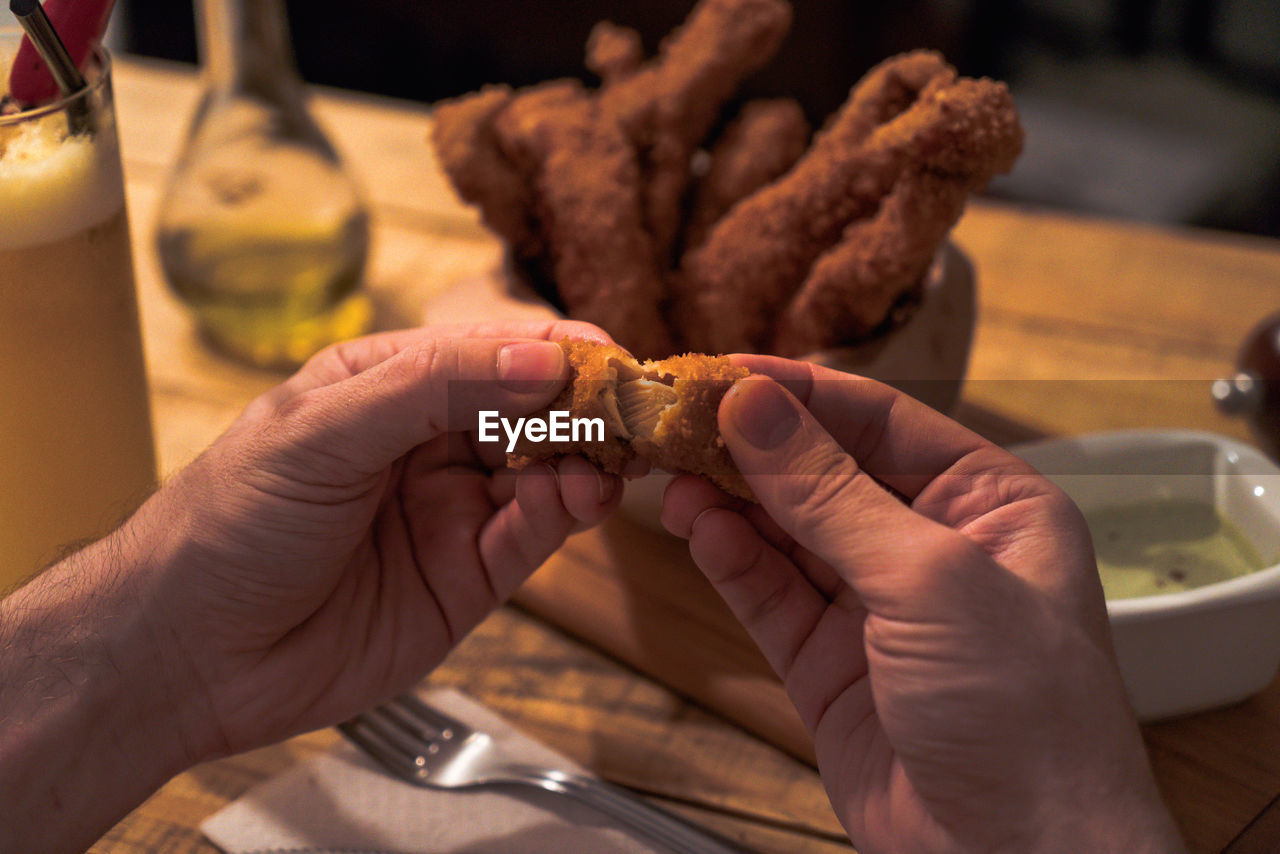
x=949, y=650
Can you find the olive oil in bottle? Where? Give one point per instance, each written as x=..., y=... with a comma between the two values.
x=261, y=232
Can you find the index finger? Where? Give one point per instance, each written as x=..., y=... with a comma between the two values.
x=895, y=438
x=345, y=359
x=431, y=387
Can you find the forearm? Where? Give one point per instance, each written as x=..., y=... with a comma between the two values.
x=89, y=721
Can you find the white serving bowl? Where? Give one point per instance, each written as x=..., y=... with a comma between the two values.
x=1191, y=650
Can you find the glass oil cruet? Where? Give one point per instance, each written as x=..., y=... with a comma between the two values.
x=261, y=232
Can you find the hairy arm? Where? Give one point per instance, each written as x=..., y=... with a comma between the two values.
x=91, y=716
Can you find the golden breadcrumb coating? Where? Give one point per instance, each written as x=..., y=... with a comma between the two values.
x=589, y=186
x=783, y=243
x=733, y=287
x=852, y=288
x=667, y=106
x=467, y=147
x=614, y=52
x=758, y=147
x=663, y=411
x=589, y=394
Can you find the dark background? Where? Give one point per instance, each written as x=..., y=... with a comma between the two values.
x=1158, y=110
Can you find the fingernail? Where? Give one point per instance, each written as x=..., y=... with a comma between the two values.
x=530, y=366
x=763, y=413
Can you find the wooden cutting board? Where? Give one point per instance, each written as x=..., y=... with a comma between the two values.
x=636, y=594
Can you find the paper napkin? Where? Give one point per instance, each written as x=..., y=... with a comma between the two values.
x=342, y=800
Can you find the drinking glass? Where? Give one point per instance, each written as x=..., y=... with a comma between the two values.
x=76, y=452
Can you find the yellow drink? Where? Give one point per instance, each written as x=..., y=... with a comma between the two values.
x=76, y=451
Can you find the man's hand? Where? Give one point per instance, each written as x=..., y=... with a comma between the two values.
x=323, y=554
x=947, y=646
x=347, y=531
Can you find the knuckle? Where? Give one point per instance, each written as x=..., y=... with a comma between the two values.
x=834, y=488
x=295, y=412
x=335, y=362
x=298, y=437
x=424, y=359
x=953, y=569
x=769, y=600
x=827, y=484
x=328, y=356
x=262, y=407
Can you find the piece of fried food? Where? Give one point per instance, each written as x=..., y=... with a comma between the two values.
x=782, y=250
x=853, y=287
x=765, y=140
x=883, y=93
x=614, y=52
x=733, y=287
x=663, y=411
x=667, y=106
x=467, y=148
x=587, y=187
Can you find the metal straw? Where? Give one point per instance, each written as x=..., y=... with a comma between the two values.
x=54, y=53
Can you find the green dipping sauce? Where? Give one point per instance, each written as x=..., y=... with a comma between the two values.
x=1165, y=545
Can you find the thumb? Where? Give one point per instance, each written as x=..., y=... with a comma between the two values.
x=822, y=498
x=430, y=387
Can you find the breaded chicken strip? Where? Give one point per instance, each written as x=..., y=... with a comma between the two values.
x=468, y=150
x=667, y=106
x=587, y=196
x=733, y=287
x=760, y=145
x=852, y=288
x=663, y=411
x=882, y=94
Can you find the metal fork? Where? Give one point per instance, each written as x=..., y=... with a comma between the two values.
x=429, y=748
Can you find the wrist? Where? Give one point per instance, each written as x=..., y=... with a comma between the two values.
x=152, y=548
x=1115, y=809
x=91, y=718
x=1097, y=790
x=1136, y=827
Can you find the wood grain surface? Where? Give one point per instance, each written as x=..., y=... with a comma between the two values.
x=1083, y=325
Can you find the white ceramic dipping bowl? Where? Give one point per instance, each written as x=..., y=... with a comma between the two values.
x=1210, y=646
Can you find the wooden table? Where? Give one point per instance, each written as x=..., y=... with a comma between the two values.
x=1061, y=298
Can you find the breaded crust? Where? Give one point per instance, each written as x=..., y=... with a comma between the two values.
x=685, y=391
x=588, y=185
x=594, y=375
x=667, y=106
x=853, y=287
x=733, y=287
x=467, y=147
x=759, y=146
x=687, y=438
